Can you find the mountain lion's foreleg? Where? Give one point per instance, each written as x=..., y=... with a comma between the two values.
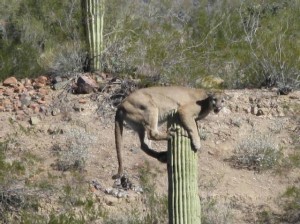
x=189, y=123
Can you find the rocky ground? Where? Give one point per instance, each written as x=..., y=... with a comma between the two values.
x=68, y=125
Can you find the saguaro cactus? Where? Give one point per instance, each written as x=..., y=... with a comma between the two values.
x=94, y=13
x=183, y=198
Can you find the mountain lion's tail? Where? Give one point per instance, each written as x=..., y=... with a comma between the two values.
x=119, y=119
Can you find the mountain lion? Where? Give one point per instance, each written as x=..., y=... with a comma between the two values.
x=145, y=109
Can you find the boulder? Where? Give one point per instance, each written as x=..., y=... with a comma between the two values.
x=85, y=85
x=11, y=81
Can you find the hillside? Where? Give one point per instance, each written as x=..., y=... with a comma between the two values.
x=60, y=160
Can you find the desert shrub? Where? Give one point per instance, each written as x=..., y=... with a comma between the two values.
x=74, y=154
x=289, y=201
x=14, y=197
x=65, y=60
x=15, y=201
x=271, y=58
x=115, y=59
x=256, y=152
x=156, y=205
x=241, y=42
x=19, y=62
x=215, y=212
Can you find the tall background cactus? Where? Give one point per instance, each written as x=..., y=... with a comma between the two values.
x=94, y=13
x=183, y=197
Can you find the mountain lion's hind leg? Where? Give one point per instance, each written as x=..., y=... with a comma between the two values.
x=152, y=127
x=160, y=156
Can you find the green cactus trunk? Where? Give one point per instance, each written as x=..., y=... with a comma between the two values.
x=183, y=198
x=94, y=13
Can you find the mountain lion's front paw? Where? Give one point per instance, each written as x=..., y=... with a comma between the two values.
x=196, y=146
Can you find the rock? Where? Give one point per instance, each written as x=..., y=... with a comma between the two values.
x=85, y=85
x=60, y=85
x=260, y=112
x=87, y=80
x=294, y=97
x=211, y=153
x=97, y=185
x=78, y=107
x=226, y=110
x=118, y=193
x=126, y=183
x=8, y=105
x=19, y=88
x=20, y=115
x=25, y=100
x=40, y=82
x=26, y=82
x=280, y=112
x=99, y=79
x=82, y=101
x=254, y=110
x=52, y=130
x=108, y=190
x=42, y=79
x=284, y=90
x=117, y=183
x=2, y=109
x=17, y=104
x=11, y=81
x=34, y=106
x=41, y=102
x=57, y=79
x=55, y=111
x=138, y=189
x=121, y=194
x=8, y=92
x=43, y=92
x=34, y=120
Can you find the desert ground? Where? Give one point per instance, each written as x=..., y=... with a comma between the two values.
x=250, y=158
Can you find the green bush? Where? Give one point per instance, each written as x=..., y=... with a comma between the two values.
x=31, y=28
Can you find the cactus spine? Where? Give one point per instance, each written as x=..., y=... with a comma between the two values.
x=94, y=11
x=183, y=198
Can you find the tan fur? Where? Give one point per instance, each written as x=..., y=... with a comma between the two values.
x=145, y=109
